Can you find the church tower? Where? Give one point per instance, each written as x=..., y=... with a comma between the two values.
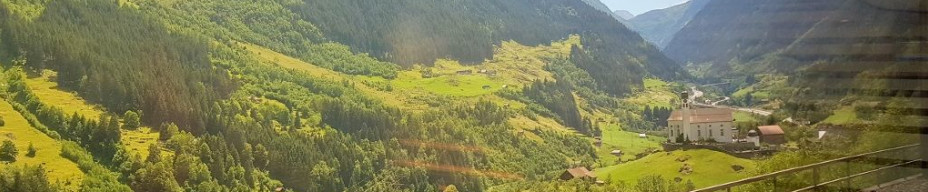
x=685, y=113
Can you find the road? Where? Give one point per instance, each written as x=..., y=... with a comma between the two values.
x=697, y=94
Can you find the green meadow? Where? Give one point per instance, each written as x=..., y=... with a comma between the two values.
x=708, y=168
x=137, y=141
x=48, y=151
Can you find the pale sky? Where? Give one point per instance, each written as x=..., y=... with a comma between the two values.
x=638, y=7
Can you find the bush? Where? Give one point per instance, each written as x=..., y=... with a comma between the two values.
x=31, y=151
x=8, y=151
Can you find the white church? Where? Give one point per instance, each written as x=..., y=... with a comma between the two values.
x=700, y=124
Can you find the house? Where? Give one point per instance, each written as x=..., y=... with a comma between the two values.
x=465, y=72
x=577, y=173
x=771, y=134
x=616, y=152
x=699, y=124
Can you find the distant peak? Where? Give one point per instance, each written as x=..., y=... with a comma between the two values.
x=624, y=14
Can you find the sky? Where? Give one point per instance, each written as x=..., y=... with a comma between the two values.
x=638, y=7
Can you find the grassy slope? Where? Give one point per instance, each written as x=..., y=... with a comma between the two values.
x=656, y=93
x=134, y=140
x=47, y=91
x=449, y=83
x=515, y=65
x=709, y=168
x=616, y=139
x=741, y=116
x=281, y=60
x=843, y=115
x=48, y=153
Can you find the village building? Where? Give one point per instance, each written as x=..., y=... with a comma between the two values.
x=465, y=72
x=767, y=135
x=699, y=124
x=577, y=173
x=616, y=152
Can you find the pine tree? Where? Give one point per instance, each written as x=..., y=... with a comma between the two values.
x=154, y=153
x=8, y=151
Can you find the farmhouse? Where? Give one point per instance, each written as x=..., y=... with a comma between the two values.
x=577, y=173
x=465, y=72
x=770, y=134
x=699, y=124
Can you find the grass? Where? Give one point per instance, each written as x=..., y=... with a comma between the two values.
x=656, y=93
x=514, y=64
x=450, y=84
x=137, y=141
x=741, y=116
x=616, y=139
x=49, y=93
x=843, y=115
x=47, y=90
x=272, y=57
x=48, y=153
x=709, y=168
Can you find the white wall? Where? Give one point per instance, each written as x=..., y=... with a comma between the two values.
x=718, y=131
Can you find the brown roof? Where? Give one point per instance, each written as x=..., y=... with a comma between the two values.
x=580, y=172
x=770, y=130
x=704, y=115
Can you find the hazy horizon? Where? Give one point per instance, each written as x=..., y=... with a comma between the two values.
x=637, y=7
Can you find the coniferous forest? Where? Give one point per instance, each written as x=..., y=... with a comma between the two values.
x=327, y=95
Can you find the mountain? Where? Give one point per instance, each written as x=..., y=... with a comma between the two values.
x=660, y=26
x=598, y=5
x=624, y=14
x=808, y=54
x=417, y=32
x=744, y=30
x=337, y=95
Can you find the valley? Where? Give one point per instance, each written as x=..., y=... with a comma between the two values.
x=482, y=95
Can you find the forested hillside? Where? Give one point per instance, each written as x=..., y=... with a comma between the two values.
x=261, y=95
x=417, y=32
x=744, y=30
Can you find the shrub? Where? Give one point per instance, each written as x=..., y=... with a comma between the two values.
x=31, y=151
x=8, y=151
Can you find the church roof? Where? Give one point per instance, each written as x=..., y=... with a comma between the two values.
x=704, y=115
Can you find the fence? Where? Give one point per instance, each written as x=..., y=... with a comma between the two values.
x=816, y=169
